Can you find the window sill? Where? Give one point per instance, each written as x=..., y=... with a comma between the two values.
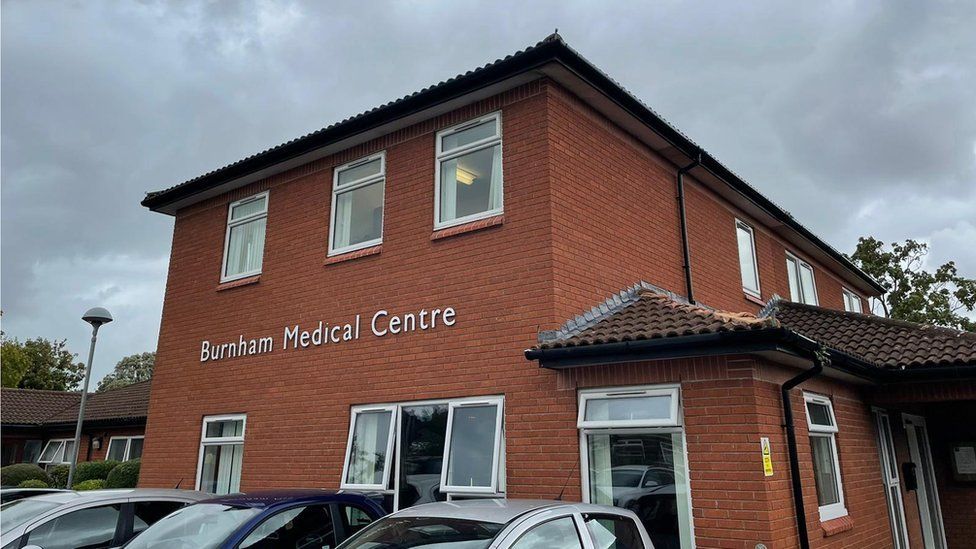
x=836, y=526
x=238, y=283
x=754, y=298
x=478, y=225
x=356, y=254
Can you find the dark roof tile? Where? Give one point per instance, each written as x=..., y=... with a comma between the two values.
x=33, y=407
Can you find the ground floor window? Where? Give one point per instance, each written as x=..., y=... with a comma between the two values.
x=124, y=448
x=633, y=456
x=221, y=454
x=57, y=451
x=32, y=451
x=427, y=451
x=822, y=425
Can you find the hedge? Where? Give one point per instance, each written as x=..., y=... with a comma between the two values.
x=13, y=475
x=126, y=475
x=59, y=476
x=33, y=483
x=94, y=470
x=91, y=484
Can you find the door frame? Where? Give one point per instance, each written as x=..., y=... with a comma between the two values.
x=891, y=478
x=933, y=535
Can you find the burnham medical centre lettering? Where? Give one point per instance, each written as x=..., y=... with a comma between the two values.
x=381, y=323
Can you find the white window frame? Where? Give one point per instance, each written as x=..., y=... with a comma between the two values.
x=629, y=392
x=442, y=156
x=224, y=277
x=850, y=298
x=833, y=510
x=217, y=441
x=64, y=456
x=499, y=403
x=379, y=178
x=797, y=266
x=739, y=224
x=388, y=461
x=128, y=445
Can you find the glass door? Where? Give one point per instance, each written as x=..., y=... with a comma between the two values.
x=928, y=496
x=891, y=481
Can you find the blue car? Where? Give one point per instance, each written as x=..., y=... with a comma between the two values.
x=287, y=519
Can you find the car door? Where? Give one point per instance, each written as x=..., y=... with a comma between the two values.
x=297, y=527
x=94, y=527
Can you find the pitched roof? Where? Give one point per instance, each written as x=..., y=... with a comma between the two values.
x=530, y=63
x=880, y=341
x=33, y=407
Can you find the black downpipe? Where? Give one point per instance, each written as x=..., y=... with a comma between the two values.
x=685, y=249
x=801, y=516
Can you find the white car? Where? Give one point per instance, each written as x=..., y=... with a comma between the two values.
x=504, y=524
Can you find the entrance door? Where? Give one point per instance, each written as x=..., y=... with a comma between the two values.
x=928, y=495
x=890, y=480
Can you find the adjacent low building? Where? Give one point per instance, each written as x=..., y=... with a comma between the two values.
x=523, y=282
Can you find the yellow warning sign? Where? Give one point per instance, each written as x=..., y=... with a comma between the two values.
x=767, y=457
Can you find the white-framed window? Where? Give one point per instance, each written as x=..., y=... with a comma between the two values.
x=803, y=287
x=468, y=172
x=57, y=450
x=420, y=452
x=852, y=301
x=124, y=448
x=221, y=453
x=632, y=444
x=822, y=425
x=357, y=204
x=244, y=241
x=748, y=265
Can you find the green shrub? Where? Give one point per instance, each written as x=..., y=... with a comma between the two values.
x=33, y=483
x=125, y=475
x=59, y=476
x=91, y=484
x=91, y=470
x=13, y=475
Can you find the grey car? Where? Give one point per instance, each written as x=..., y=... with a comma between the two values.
x=505, y=524
x=95, y=519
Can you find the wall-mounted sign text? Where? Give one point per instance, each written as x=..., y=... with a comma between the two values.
x=381, y=323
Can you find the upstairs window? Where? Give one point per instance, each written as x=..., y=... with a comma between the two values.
x=803, y=289
x=748, y=265
x=357, y=204
x=244, y=243
x=469, y=172
x=852, y=302
x=822, y=425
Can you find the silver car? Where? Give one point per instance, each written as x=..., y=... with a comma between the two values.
x=505, y=524
x=99, y=518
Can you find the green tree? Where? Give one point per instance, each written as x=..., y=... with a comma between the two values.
x=49, y=366
x=13, y=361
x=129, y=370
x=941, y=297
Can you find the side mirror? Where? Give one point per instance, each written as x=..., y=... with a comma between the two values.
x=908, y=473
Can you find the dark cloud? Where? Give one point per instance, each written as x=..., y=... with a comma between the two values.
x=857, y=117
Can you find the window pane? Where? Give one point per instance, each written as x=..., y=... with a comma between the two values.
x=135, y=448
x=52, y=449
x=471, y=184
x=371, y=168
x=823, y=470
x=612, y=532
x=225, y=428
x=473, y=438
x=644, y=473
x=32, y=451
x=245, y=248
x=423, y=429
x=248, y=208
x=146, y=513
x=468, y=136
x=628, y=408
x=367, y=457
x=747, y=261
x=806, y=279
x=301, y=527
x=222, y=468
x=116, y=449
x=819, y=414
x=791, y=272
x=90, y=528
x=353, y=518
x=358, y=216
x=555, y=533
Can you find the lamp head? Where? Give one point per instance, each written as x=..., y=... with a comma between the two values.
x=96, y=316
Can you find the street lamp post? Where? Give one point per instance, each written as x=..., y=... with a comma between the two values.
x=95, y=316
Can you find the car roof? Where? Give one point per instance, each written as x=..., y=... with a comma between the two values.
x=501, y=511
x=81, y=498
x=266, y=498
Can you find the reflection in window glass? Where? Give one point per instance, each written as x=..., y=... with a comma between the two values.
x=225, y=428
x=147, y=513
x=628, y=408
x=468, y=136
x=360, y=172
x=429, y=532
x=423, y=430
x=369, y=445
x=819, y=414
x=473, y=439
x=222, y=468
x=135, y=448
x=300, y=527
x=747, y=258
x=116, y=449
x=93, y=527
x=613, y=532
x=823, y=468
x=555, y=533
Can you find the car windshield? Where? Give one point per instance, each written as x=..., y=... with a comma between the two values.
x=20, y=511
x=426, y=532
x=204, y=525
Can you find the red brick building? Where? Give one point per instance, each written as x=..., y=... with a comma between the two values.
x=353, y=309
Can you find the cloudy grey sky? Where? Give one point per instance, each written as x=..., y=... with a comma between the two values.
x=858, y=117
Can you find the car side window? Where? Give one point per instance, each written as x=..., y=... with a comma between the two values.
x=613, y=532
x=146, y=513
x=353, y=518
x=295, y=528
x=91, y=528
x=560, y=532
